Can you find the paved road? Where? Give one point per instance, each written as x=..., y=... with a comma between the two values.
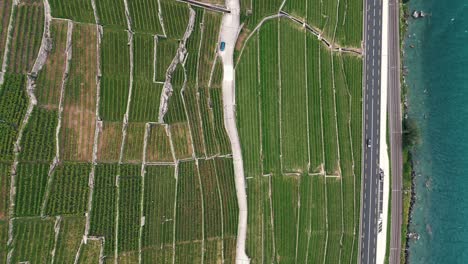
x=372, y=75
x=229, y=30
x=394, y=110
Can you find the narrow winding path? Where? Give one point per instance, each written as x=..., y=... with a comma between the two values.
x=229, y=33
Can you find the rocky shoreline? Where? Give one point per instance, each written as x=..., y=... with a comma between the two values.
x=406, y=16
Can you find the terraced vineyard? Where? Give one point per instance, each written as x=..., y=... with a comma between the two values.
x=113, y=145
x=299, y=109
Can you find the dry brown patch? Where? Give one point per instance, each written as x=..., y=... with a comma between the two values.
x=109, y=141
x=80, y=97
x=49, y=81
x=180, y=136
x=158, y=148
x=242, y=37
x=133, y=149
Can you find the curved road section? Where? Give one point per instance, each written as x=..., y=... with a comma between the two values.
x=228, y=35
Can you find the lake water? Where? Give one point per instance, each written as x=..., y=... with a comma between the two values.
x=438, y=99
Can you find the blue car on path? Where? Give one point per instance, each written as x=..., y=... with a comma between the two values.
x=222, y=46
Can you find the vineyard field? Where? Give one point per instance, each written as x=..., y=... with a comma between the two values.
x=211, y=199
x=133, y=149
x=128, y=258
x=335, y=220
x=69, y=239
x=189, y=212
x=269, y=81
x=103, y=212
x=33, y=240
x=129, y=207
x=248, y=106
x=208, y=46
x=229, y=250
x=145, y=16
x=213, y=251
x=191, y=104
x=109, y=142
x=217, y=76
x=3, y=240
x=49, y=79
x=13, y=104
x=221, y=135
x=38, y=142
x=159, y=146
x=5, y=12
x=90, y=252
x=162, y=255
x=175, y=15
x=293, y=98
x=165, y=52
x=76, y=10
x=206, y=104
x=188, y=252
x=180, y=136
x=285, y=206
x=311, y=107
x=158, y=206
x=145, y=93
x=328, y=113
x=116, y=149
x=193, y=49
x=115, y=75
x=225, y=174
x=143, y=107
x=260, y=231
x=30, y=188
x=176, y=110
x=316, y=158
x=79, y=110
x=26, y=38
x=69, y=189
x=111, y=13
x=5, y=169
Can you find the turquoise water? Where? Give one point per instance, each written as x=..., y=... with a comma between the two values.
x=438, y=100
